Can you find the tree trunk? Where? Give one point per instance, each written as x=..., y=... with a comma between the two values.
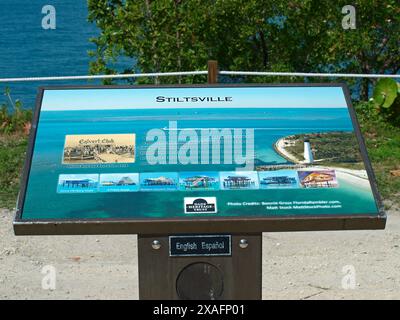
x=364, y=91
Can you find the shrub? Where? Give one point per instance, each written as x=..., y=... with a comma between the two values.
x=386, y=99
x=13, y=118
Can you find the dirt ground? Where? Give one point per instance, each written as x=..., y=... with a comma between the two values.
x=306, y=265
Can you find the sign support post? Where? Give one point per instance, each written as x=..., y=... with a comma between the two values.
x=212, y=77
x=195, y=267
x=191, y=276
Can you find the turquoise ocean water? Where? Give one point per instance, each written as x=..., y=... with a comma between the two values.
x=28, y=50
x=42, y=200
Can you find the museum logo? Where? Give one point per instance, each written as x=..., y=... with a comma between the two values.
x=201, y=205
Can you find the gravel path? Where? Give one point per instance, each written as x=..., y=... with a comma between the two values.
x=307, y=265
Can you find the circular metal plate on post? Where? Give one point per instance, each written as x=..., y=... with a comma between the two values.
x=200, y=281
x=156, y=244
x=243, y=243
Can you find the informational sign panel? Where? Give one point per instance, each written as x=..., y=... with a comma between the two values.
x=196, y=159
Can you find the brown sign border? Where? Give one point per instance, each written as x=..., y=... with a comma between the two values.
x=197, y=224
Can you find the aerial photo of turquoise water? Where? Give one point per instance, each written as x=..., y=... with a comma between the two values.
x=117, y=178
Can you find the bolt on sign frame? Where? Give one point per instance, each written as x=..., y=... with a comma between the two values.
x=130, y=160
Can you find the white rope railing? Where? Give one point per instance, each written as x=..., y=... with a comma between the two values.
x=305, y=74
x=189, y=73
x=108, y=76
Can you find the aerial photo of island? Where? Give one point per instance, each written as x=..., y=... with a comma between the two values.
x=324, y=157
x=272, y=144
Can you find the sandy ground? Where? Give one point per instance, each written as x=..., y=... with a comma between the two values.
x=280, y=148
x=307, y=265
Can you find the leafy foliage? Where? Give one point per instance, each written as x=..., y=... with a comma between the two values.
x=12, y=156
x=385, y=93
x=261, y=35
x=13, y=118
x=333, y=147
x=383, y=143
x=386, y=99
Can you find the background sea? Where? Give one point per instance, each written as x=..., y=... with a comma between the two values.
x=27, y=50
x=270, y=125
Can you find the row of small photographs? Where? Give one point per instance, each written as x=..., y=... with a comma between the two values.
x=196, y=181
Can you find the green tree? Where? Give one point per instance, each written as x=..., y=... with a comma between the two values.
x=13, y=118
x=373, y=47
x=259, y=35
x=178, y=35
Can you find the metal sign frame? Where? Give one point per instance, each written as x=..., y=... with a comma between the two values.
x=214, y=225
